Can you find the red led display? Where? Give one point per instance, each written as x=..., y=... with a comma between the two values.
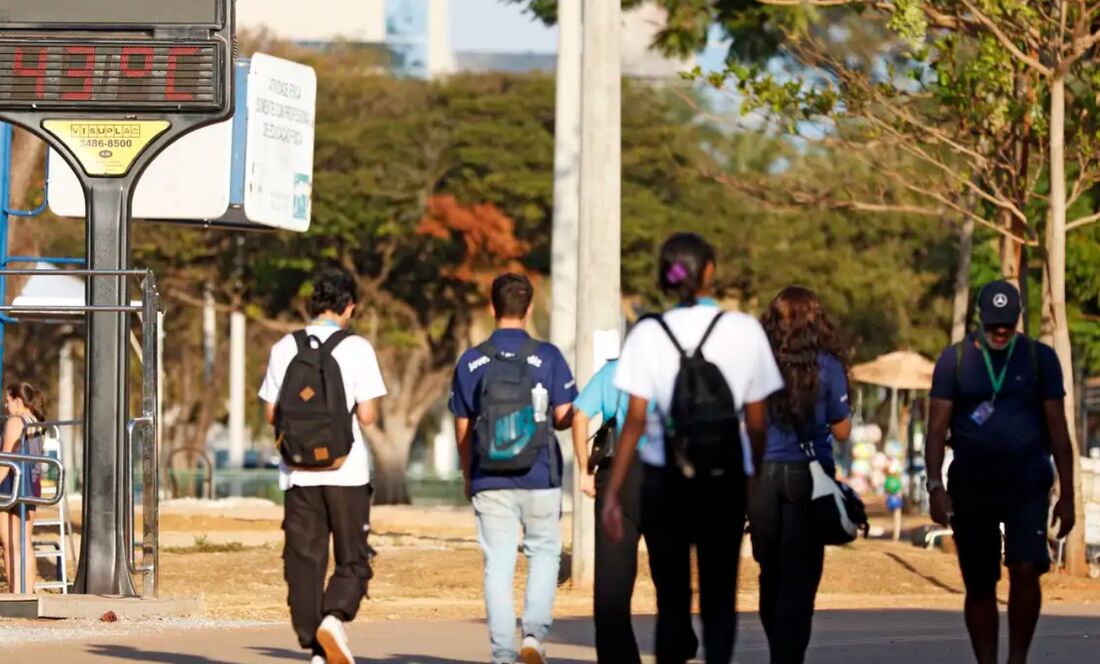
x=54, y=74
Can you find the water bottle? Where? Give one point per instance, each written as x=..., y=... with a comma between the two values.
x=540, y=401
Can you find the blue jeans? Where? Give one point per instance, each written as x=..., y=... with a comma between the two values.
x=500, y=514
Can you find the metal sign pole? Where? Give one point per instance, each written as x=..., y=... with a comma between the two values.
x=104, y=566
x=108, y=105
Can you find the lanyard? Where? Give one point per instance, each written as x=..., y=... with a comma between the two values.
x=998, y=381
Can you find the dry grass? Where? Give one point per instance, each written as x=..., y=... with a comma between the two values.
x=420, y=576
x=430, y=567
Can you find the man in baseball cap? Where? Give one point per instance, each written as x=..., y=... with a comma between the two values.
x=999, y=309
x=1000, y=394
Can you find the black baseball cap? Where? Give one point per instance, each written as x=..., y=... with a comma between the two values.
x=999, y=304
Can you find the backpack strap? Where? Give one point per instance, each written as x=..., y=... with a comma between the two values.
x=664, y=326
x=1033, y=354
x=960, y=348
x=529, y=348
x=301, y=337
x=488, y=349
x=710, y=330
x=334, y=340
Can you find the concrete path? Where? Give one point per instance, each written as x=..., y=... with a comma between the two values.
x=1067, y=635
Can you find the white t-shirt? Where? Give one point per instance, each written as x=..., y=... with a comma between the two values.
x=362, y=382
x=649, y=364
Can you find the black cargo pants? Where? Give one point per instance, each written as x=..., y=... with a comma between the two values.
x=314, y=516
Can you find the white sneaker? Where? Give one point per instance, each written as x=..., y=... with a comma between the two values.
x=334, y=640
x=532, y=652
x=317, y=659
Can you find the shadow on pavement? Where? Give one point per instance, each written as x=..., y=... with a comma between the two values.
x=927, y=577
x=420, y=659
x=140, y=655
x=299, y=655
x=877, y=636
x=280, y=653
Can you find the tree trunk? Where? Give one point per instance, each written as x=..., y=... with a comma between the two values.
x=1010, y=251
x=1075, y=543
x=962, y=281
x=1046, y=313
x=390, y=458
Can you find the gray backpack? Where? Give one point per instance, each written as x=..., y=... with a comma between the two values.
x=509, y=436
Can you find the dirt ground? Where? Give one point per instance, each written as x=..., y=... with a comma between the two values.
x=429, y=566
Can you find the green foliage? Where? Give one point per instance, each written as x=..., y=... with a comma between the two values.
x=909, y=22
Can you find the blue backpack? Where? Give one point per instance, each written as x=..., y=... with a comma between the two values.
x=509, y=436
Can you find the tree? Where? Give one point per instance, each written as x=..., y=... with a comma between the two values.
x=1026, y=56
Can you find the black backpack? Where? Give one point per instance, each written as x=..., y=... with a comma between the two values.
x=313, y=426
x=703, y=429
x=509, y=436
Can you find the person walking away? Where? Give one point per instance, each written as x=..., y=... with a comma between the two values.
x=508, y=395
x=25, y=405
x=1000, y=396
x=322, y=385
x=803, y=419
x=616, y=561
x=700, y=367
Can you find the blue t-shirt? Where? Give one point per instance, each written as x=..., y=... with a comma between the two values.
x=601, y=397
x=832, y=407
x=548, y=367
x=1015, y=437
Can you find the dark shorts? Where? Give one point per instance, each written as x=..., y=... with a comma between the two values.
x=32, y=487
x=981, y=506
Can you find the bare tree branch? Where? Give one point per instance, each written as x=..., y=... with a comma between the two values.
x=285, y=327
x=1083, y=221
x=1006, y=41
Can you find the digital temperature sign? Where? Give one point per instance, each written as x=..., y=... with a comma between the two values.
x=111, y=13
x=87, y=74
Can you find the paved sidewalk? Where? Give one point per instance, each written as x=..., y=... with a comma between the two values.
x=1067, y=635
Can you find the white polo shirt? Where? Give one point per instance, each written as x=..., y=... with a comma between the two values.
x=362, y=382
x=650, y=363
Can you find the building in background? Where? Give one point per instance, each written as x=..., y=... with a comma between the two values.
x=362, y=21
x=417, y=34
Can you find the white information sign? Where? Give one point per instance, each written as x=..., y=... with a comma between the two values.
x=282, y=102
x=189, y=180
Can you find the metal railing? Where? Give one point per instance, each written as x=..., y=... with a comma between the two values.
x=150, y=448
x=16, y=473
x=147, y=423
x=208, y=480
x=22, y=498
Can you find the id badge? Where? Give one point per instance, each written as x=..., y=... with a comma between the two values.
x=982, y=413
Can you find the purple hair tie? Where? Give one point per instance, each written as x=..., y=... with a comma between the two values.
x=677, y=272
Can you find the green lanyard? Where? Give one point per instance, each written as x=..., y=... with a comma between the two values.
x=998, y=381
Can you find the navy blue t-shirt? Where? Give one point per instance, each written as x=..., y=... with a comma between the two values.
x=548, y=367
x=1015, y=437
x=831, y=407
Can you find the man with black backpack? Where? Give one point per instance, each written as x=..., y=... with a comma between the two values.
x=1000, y=396
x=321, y=386
x=508, y=396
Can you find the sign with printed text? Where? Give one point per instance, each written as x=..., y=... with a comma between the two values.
x=106, y=147
x=282, y=102
x=205, y=155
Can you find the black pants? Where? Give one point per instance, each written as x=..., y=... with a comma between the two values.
x=313, y=515
x=709, y=513
x=616, y=570
x=790, y=557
